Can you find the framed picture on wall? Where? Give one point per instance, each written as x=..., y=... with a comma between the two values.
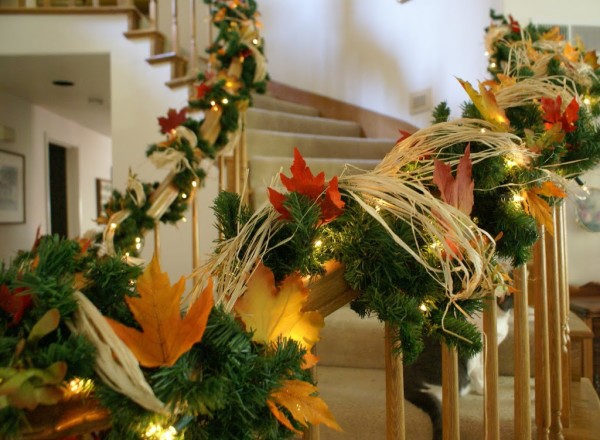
x=12, y=188
x=103, y=193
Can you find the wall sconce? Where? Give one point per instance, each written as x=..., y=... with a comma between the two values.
x=7, y=134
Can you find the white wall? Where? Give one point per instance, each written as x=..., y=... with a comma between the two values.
x=138, y=96
x=582, y=12
x=375, y=53
x=35, y=127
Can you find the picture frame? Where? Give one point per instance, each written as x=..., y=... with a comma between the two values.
x=103, y=193
x=12, y=188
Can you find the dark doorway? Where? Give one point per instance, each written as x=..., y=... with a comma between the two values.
x=57, y=159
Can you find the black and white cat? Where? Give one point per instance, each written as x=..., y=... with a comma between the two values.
x=423, y=378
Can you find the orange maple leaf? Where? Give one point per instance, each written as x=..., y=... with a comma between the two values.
x=591, y=58
x=485, y=101
x=298, y=398
x=165, y=335
x=553, y=115
x=539, y=208
x=272, y=313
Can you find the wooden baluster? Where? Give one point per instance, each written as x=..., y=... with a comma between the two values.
x=222, y=171
x=244, y=160
x=96, y=3
x=174, y=28
x=313, y=433
x=394, y=389
x=522, y=369
x=554, y=329
x=450, y=394
x=193, y=63
x=565, y=306
x=491, y=418
x=236, y=168
x=152, y=19
x=195, y=232
x=542, y=365
x=156, y=239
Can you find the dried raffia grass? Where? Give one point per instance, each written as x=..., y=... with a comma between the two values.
x=529, y=90
x=115, y=364
x=424, y=144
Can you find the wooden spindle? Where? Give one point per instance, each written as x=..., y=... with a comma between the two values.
x=565, y=306
x=195, y=233
x=193, y=62
x=152, y=19
x=222, y=170
x=394, y=389
x=174, y=28
x=491, y=416
x=237, y=165
x=156, y=239
x=522, y=408
x=554, y=329
x=450, y=394
x=244, y=159
x=313, y=432
x=542, y=365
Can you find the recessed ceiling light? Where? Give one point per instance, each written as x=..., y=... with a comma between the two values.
x=63, y=83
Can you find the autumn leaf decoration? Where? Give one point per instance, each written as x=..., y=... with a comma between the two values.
x=298, y=398
x=271, y=313
x=165, y=335
x=15, y=303
x=456, y=191
x=539, y=208
x=553, y=116
x=485, y=101
x=303, y=182
x=173, y=120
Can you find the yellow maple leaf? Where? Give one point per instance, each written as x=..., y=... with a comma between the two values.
x=272, y=313
x=485, y=101
x=552, y=35
x=298, y=398
x=571, y=53
x=165, y=335
x=537, y=207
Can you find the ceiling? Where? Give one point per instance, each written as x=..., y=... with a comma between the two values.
x=87, y=102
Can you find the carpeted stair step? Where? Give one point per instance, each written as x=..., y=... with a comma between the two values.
x=275, y=143
x=356, y=397
x=281, y=121
x=267, y=102
x=347, y=340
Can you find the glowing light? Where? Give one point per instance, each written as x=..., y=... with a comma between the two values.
x=213, y=103
x=184, y=196
x=255, y=41
x=215, y=108
x=510, y=163
x=423, y=307
x=126, y=254
x=78, y=385
x=483, y=130
x=194, y=184
x=486, y=54
x=157, y=432
x=113, y=226
x=587, y=101
x=492, y=65
x=184, y=219
x=225, y=101
x=138, y=246
x=517, y=199
x=138, y=239
x=318, y=244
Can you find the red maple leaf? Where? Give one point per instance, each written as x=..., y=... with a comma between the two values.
x=303, y=182
x=202, y=90
x=14, y=303
x=514, y=25
x=552, y=114
x=458, y=191
x=403, y=135
x=173, y=120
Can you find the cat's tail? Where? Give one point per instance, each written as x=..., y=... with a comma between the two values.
x=429, y=403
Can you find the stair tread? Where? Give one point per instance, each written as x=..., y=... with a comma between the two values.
x=165, y=57
x=267, y=142
x=271, y=103
x=142, y=33
x=295, y=123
